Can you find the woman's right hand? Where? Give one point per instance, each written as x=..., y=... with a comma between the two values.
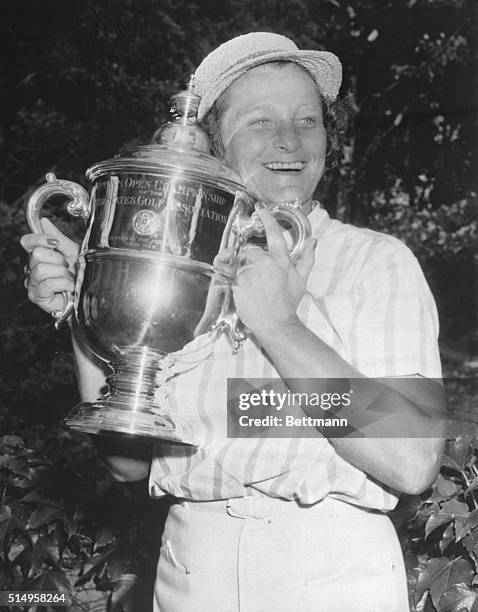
x=51, y=266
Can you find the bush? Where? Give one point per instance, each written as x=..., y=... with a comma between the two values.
x=439, y=530
x=66, y=526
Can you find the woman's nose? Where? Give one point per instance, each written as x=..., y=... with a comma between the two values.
x=287, y=137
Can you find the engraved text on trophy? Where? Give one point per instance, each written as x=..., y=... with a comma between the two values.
x=165, y=214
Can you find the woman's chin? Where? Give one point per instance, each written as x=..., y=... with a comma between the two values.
x=284, y=190
x=284, y=196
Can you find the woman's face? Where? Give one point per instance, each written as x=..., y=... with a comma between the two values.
x=273, y=132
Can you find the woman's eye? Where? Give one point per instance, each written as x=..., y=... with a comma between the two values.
x=260, y=122
x=308, y=121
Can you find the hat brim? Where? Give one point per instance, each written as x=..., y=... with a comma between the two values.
x=323, y=66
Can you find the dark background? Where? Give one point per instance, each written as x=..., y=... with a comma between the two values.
x=82, y=80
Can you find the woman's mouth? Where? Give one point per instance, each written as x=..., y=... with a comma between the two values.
x=295, y=166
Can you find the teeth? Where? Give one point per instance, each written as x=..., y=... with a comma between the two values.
x=298, y=165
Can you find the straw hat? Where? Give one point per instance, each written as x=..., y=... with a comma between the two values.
x=230, y=60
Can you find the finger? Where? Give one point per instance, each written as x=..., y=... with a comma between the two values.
x=49, y=287
x=241, y=278
x=30, y=241
x=252, y=253
x=222, y=263
x=275, y=240
x=41, y=254
x=51, y=304
x=243, y=270
x=224, y=270
x=50, y=294
x=68, y=247
x=44, y=271
x=306, y=261
x=223, y=257
x=52, y=239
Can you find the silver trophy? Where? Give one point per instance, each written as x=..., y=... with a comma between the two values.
x=148, y=300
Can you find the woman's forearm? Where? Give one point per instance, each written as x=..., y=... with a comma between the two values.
x=127, y=458
x=398, y=450
x=91, y=372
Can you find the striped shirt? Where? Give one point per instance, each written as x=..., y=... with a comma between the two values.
x=368, y=300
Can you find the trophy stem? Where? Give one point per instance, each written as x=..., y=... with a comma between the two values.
x=135, y=376
x=135, y=404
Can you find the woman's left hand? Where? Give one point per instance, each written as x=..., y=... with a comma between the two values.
x=268, y=286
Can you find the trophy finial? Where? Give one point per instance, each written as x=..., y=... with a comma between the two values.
x=185, y=104
x=184, y=132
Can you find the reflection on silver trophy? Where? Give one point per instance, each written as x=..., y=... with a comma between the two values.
x=148, y=300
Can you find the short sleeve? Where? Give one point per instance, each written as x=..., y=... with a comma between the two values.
x=395, y=331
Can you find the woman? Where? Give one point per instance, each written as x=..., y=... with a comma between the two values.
x=275, y=523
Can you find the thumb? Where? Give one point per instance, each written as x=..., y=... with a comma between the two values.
x=306, y=261
x=66, y=246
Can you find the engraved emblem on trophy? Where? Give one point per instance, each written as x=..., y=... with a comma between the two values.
x=147, y=299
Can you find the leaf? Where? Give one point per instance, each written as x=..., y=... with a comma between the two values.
x=451, y=464
x=61, y=579
x=447, y=537
x=443, y=488
x=20, y=482
x=33, y=497
x=439, y=575
x=455, y=508
x=48, y=580
x=105, y=536
x=8, y=522
x=9, y=444
x=459, y=511
x=70, y=522
x=472, y=486
x=464, y=527
x=457, y=449
x=23, y=557
x=47, y=546
x=5, y=523
x=116, y=565
x=459, y=598
x=17, y=546
x=436, y=520
x=123, y=590
x=449, y=510
x=18, y=465
x=101, y=580
x=470, y=542
x=97, y=565
x=43, y=515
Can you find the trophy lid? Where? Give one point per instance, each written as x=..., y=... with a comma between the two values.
x=180, y=146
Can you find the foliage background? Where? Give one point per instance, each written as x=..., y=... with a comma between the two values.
x=83, y=79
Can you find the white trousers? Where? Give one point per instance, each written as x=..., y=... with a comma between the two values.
x=258, y=554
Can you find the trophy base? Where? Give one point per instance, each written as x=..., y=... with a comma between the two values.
x=111, y=418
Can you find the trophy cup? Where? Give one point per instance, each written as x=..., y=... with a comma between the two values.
x=147, y=299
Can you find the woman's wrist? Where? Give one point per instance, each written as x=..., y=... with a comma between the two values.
x=275, y=328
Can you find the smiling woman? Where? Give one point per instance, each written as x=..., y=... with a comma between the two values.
x=287, y=523
x=334, y=119
x=273, y=133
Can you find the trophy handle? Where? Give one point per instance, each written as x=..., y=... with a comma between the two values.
x=78, y=206
x=229, y=322
x=243, y=228
x=251, y=226
x=290, y=212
